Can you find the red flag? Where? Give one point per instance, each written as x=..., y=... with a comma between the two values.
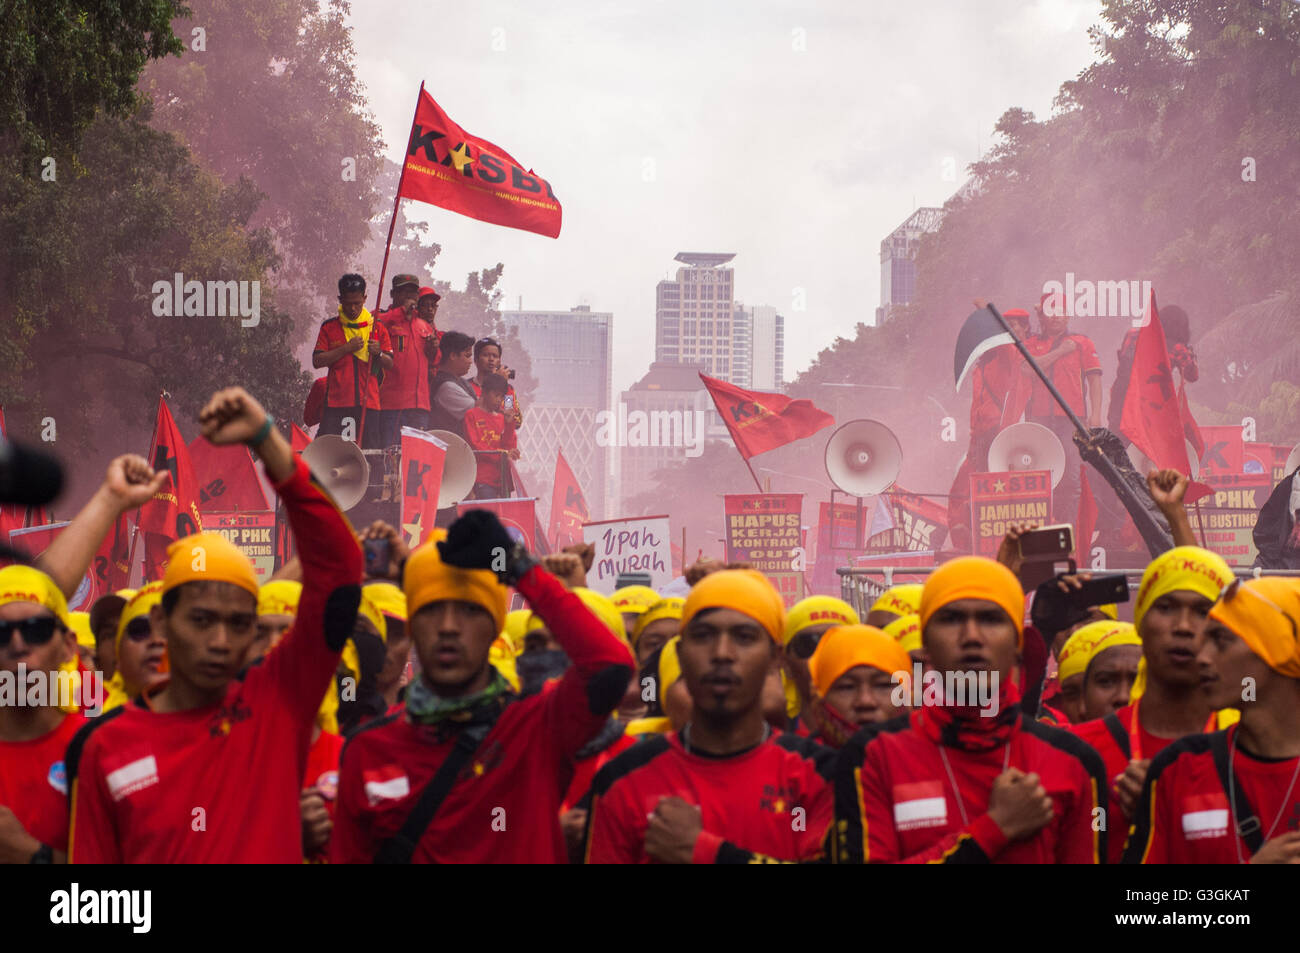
x=518, y=516
x=448, y=167
x=174, y=510
x=759, y=421
x=112, y=562
x=568, y=506
x=227, y=478
x=1152, y=418
x=298, y=438
x=422, y=459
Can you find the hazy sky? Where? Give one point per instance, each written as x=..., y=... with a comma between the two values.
x=796, y=135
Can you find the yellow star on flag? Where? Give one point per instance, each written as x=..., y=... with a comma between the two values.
x=414, y=530
x=460, y=157
x=999, y=486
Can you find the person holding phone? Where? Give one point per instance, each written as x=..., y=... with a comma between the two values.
x=487, y=360
x=404, y=391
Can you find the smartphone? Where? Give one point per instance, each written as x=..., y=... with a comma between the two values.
x=1047, y=543
x=1099, y=591
x=377, y=556
x=632, y=579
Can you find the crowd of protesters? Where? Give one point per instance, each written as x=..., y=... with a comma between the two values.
x=407, y=716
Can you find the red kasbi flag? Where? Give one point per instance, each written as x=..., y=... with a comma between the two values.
x=568, y=506
x=422, y=460
x=174, y=511
x=759, y=421
x=448, y=167
x=1152, y=418
x=227, y=478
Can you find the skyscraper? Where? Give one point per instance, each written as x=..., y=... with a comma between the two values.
x=693, y=315
x=898, y=260
x=571, y=354
x=757, y=347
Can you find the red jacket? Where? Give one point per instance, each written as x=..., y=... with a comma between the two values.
x=350, y=380
x=220, y=784
x=505, y=807
x=749, y=801
x=896, y=804
x=1185, y=814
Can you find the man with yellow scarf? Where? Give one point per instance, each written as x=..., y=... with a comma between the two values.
x=1231, y=797
x=357, y=350
x=1173, y=603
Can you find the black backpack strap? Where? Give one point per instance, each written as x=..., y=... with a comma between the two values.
x=1116, y=729
x=1247, y=824
x=400, y=848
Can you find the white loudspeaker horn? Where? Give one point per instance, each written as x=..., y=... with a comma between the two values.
x=341, y=468
x=459, y=468
x=1027, y=446
x=863, y=457
x=1293, y=460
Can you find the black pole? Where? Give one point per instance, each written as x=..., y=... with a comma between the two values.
x=1051, y=388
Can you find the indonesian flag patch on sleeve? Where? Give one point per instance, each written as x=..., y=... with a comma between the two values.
x=918, y=805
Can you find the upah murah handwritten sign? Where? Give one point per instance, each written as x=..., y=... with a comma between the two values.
x=638, y=545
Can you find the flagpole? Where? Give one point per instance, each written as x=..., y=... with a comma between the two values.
x=397, y=199
x=135, y=534
x=751, y=472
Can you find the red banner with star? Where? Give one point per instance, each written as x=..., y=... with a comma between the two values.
x=422, y=459
x=173, y=513
x=1000, y=499
x=568, y=506
x=448, y=167
x=759, y=421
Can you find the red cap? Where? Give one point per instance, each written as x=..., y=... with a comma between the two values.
x=425, y=292
x=1053, y=303
x=1016, y=313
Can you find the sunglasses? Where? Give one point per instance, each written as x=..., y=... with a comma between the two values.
x=138, y=630
x=35, y=631
x=1235, y=587
x=803, y=645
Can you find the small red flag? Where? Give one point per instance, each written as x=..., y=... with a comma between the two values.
x=448, y=167
x=1152, y=418
x=1087, y=519
x=760, y=421
x=568, y=506
x=227, y=478
x=422, y=460
x=173, y=512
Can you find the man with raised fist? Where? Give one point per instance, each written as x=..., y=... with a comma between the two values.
x=468, y=772
x=208, y=768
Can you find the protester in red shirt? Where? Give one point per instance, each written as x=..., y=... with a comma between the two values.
x=727, y=788
x=1232, y=797
x=964, y=780
x=807, y=621
x=467, y=771
x=490, y=431
x=356, y=349
x=209, y=769
x=37, y=639
x=487, y=360
x=427, y=308
x=1173, y=601
x=1071, y=362
x=404, y=392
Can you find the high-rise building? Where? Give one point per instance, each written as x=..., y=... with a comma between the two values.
x=757, y=347
x=693, y=314
x=742, y=346
x=572, y=359
x=898, y=260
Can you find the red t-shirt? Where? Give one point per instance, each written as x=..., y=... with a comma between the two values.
x=406, y=383
x=139, y=777
x=350, y=378
x=747, y=801
x=34, y=782
x=1067, y=375
x=991, y=383
x=585, y=769
x=1185, y=814
x=323, y=774
x=899, y=805
x=485, y=430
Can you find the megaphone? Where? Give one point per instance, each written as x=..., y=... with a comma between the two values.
x=863, y=457
x=341, y=468
x=459, y=468
x=1027, y=446
x=1293, y=460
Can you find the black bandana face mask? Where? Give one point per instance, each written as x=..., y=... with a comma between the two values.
x=535, y=668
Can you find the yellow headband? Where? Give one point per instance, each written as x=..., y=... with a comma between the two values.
x=744, y=590
x=974, y=577
x=427, y=579
x=369, y=611
x=145, y=598
x=279, y=597
x=1265, y=614
x=904, y=599
x=1183, y=568
x=906, y=631
x=515, y=627
x=634, y=599
x=1125, y=633
x=817, y=610
x=25, y=584
x=1077, y=651
x=208, y=557
x=670, y=608
x=388, y=598
x=603, y=609
x=81, y=629
x=845, y=647
x=670, y=667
